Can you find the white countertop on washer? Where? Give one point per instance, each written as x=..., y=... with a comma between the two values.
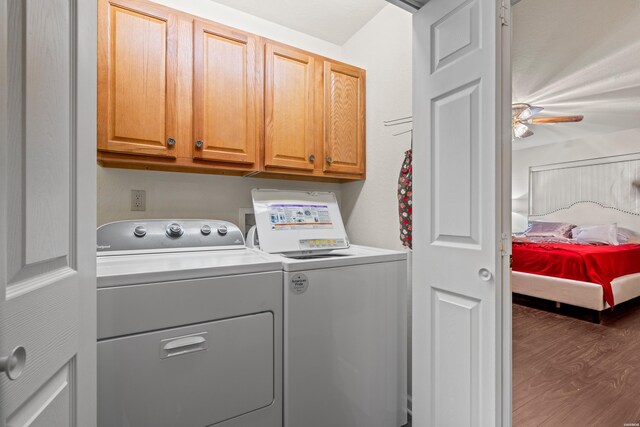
x=121, y=270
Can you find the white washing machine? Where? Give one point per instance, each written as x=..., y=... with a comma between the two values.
x=189, y=327
x=344, y=315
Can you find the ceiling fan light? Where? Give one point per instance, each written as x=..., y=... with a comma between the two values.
x=520, y=130
x=527, y=113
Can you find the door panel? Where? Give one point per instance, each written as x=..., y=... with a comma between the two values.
x=457, y=205
x=50, y=404
x=289, y=106
x=344, y=138
x=47, y=233
x=138, y=60
x=455, y=130
x=225, y=94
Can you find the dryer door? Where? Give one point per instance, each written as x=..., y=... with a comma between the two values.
x=191, y=376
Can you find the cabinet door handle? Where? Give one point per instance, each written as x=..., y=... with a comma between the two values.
x=312, y=157
x=199, y=144
x=171, y=142
x=329, y=159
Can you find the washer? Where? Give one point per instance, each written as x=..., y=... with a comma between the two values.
x=189, y=326
x=344, y=315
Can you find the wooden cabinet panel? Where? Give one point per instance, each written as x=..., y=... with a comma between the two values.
x=179, y=93
x=289, y=108
x=137, y=67
x=225, y=96
x=344, y=119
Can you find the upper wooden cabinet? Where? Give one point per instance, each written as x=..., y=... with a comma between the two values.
x=344, y=118
x=225, y=94
x=179, y=93
x=289, y=108
x=136, y=79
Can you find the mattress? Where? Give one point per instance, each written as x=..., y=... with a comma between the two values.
x=586, y=263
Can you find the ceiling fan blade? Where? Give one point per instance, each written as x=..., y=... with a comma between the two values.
x=521, y=131
x=527, y=113
x=557, y=119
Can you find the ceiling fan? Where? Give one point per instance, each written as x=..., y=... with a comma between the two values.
x=522, y=115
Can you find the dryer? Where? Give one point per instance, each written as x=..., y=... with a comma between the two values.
x=189, y=327
x=345, y=321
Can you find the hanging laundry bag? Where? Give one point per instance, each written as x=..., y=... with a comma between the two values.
x=404, y=200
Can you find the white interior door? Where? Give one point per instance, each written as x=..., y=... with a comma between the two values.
x=47, y=212
x=459, y=134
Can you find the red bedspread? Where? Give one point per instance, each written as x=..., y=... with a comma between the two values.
x=586, y=263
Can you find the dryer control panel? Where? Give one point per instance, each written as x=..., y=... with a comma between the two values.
x=167, y=235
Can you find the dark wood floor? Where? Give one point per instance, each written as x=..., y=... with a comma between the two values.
x=570, y=372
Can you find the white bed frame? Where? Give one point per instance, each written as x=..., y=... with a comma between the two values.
x=581, y=294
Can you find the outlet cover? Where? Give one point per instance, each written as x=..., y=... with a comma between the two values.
x=138, y=200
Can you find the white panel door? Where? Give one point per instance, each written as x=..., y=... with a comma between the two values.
x=47, y=212
x=458, y=241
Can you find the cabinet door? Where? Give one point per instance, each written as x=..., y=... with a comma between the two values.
x=225, y=97
x=289, y=107
x=136, y=78
x=344, y=118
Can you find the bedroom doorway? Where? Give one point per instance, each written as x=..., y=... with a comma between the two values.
x=577, y=63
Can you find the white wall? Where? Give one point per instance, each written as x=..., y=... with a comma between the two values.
x=383, y=48
x=243, y=21
x=184, y=195
x=602, y=145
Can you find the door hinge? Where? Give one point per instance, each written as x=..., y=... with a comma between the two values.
x=503, y=244
x=503, y=14
x=504, y=241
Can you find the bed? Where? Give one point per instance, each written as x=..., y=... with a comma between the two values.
x=594, y=277
x=596, y=294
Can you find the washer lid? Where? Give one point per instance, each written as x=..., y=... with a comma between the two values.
x=298, y=222
x=355, y=255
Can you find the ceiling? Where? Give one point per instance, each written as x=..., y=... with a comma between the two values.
x=577, y=57
x=332, y=20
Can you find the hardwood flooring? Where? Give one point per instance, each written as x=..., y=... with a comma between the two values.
x=570, y=372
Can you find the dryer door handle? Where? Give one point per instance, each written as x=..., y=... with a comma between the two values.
x=182, y=345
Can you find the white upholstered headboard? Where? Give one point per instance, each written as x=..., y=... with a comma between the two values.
x=590, y=213
x=596, y=191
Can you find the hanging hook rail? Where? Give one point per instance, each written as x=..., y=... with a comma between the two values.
x=402, y=133
x=400, y=121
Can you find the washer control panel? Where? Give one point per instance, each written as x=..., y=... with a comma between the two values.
x=167, y=235
x=322, y=243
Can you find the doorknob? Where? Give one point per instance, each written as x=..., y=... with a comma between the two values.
x=13, y=364
x=485, y=274
x=199, y=144
x=329, y=159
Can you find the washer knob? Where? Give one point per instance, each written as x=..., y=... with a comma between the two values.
x=174, y=230
x=140, y=231
x=205, y=230
x=222, y=230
